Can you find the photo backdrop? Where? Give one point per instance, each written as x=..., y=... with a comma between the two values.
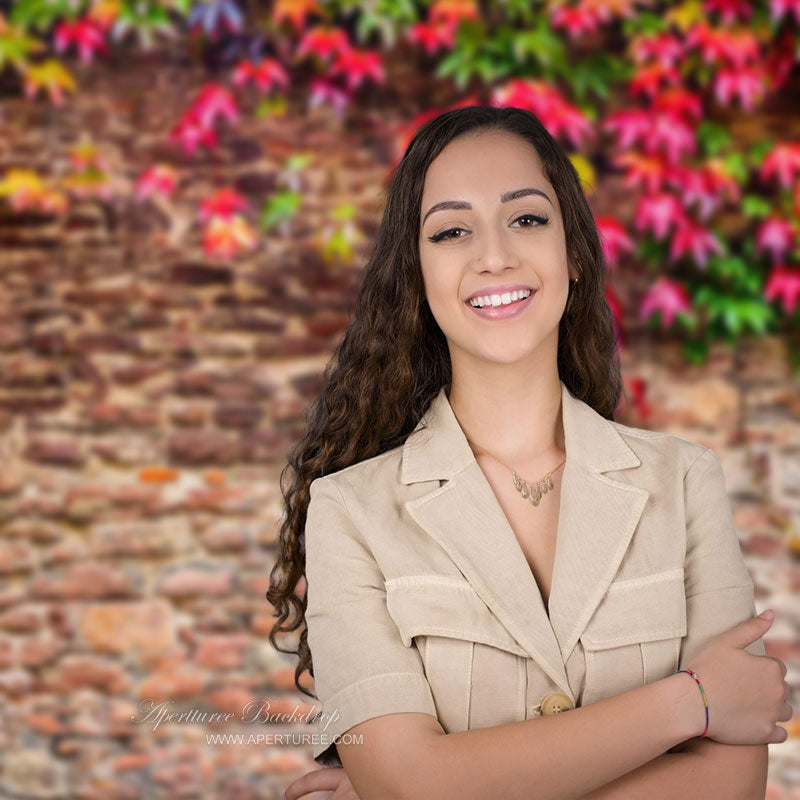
x=188, y=192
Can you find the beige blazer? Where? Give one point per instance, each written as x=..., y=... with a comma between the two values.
x=421, y=599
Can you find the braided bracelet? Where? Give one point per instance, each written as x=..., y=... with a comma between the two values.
x=696, y=677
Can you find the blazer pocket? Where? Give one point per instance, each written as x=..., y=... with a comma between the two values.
x=475, y=668
x=634, y=636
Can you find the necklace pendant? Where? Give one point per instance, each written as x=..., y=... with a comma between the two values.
x=533, y=491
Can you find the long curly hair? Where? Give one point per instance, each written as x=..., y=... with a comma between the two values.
x=393, y=358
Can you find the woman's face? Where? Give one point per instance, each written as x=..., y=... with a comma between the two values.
x=493, y=247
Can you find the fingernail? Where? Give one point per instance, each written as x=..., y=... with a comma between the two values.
x=768, y=614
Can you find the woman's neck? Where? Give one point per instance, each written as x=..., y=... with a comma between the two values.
x=521, y=426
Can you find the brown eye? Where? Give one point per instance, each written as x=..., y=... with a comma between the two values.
x=540, y=219
x=444, y=235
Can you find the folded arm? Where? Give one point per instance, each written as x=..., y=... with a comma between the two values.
x=719, y=595
x=699, y=769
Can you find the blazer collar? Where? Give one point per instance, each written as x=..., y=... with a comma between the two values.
x=597, y=517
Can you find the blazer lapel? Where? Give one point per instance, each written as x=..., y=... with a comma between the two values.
x=597, y=518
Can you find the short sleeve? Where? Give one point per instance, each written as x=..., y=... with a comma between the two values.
x=362, y=669
x=719, y=589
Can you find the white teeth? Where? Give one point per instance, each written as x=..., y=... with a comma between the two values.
x=499, y=299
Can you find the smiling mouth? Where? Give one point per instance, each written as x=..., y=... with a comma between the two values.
x=499, y=300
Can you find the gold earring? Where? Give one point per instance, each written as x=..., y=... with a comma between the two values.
x=573, y=281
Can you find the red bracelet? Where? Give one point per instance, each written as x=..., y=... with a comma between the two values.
x=696, y=677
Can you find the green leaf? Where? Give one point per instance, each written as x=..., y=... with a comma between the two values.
x=16, y=45
x=687, y=320
x=42, y=13
x=459, y=62
x=597, y=73
x=736, y=165
x=182, y=6
x=344, y=212
x=755, y=206
x=297, y=162
x=521, y=10
x=759, y=151
x=736, y=273
x=712, y=137
x=539, y=45
x=650, y=251
x=144, y=19
x=755, y=314
x=281, y=206
x=338, y=245
x=696, y=351
x=271, y=106
x=732, y=315
x=643, y=23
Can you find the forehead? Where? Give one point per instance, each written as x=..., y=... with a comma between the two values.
x=484, y=165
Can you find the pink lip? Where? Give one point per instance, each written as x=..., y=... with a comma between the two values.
x=498, y=289
x=503, y=312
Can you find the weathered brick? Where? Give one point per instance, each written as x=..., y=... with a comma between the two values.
x=192, y=582
x=86, y=581
x=197, y=448
x=140, y=539
x=33, y=773
x=162, y=686
x=16, y=557
x=90, y=672
x=15, y=682
x=63, y=453
x=22, y=619
x=225, y=537
x=221, y=651
x=230, y=699
x=38, y=652
x=7, y=653
x=128, y=628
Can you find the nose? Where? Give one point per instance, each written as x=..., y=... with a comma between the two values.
x=494, y=253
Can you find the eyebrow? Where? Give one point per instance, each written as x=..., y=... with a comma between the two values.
x=462, y=205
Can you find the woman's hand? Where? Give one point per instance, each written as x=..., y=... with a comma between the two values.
x=322, y=780
x=747, y=694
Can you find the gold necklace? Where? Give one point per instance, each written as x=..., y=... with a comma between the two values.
x=530, y=491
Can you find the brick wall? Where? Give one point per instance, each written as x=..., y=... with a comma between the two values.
x=148, y=396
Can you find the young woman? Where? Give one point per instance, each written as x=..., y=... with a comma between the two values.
x=484, y=547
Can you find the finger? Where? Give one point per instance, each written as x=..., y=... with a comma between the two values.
x=345, y=792
x=780, y=663
x=320, y=780
x=779, y=735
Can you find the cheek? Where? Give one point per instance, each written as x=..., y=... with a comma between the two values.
x=441, y=289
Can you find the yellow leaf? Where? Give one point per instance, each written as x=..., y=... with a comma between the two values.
x=105, y=11
x=686, y=14
x=21, y=179
x=51, y=75
x=585, y=171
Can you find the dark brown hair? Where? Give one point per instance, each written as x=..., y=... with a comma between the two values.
x=393, y=357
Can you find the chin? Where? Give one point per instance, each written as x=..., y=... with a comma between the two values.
x=504, y=355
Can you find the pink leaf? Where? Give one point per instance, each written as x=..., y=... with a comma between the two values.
x=667, y=296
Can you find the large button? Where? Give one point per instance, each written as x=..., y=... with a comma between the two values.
x=556, y=703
